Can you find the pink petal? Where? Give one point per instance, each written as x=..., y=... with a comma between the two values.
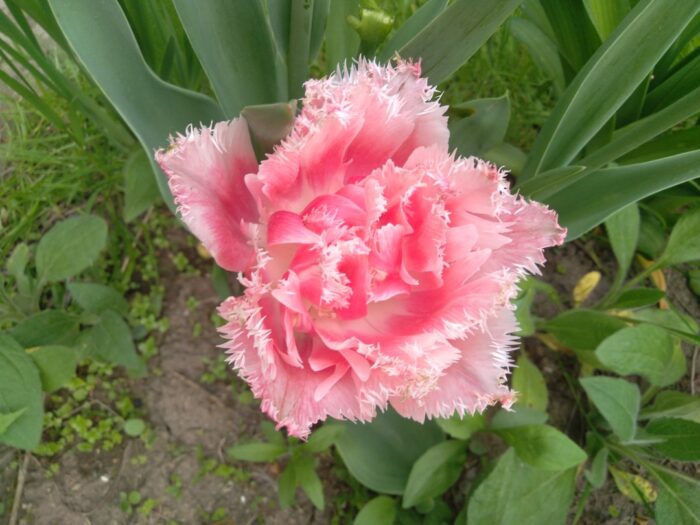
x=206, y=171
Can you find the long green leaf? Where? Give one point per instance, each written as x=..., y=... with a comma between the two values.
x=541, y=48
x=455, y=35
x=103, y=41
x=342, y=41
x=606, y=14
x=234, y=42
x=686, y=79
x=607, y=80
x=573, y=31
x=411, y=27
x=589, y=201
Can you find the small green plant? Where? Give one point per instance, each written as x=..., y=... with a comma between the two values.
x=51, y=323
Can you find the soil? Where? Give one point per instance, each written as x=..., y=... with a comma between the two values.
x=185, y=414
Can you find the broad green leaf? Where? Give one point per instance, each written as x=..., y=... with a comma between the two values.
x=515, y=493
x=342, y=41
x=56, y=365
x=49, y=327
x=257, y=452
x=670, y=403
x=583, y=330
x=645, y=349
x=530, y=385
x=592, y=199
x=607, y=80
x=378, y=511
x=153, y=109
x=483, y=128
x=573, y=31
x=681, y=438
x=134, y=427
x=670, y=319
x=672, y=143
x=111, y=342
x=140, y=185
x=462, y=427
x=684, y=242
x=322, y=438
x=233, y=41
x=599, y=468
x=606, y=14
x=411, y=27
x=305, y=472
x=518, y=416
x=269, y=124
x=678, y=502
x=623, y=232
x=96, y=298
x=16, y=266
x=435, y=472
x=20, y=391
x=7, y=419
x=380, y=454
x=543, y=447
x=541, y=48
x=456, y=34
x=618, y=402
x=70, y=247
x=638, y=298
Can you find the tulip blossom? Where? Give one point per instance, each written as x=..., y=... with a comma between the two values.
x=378, y=267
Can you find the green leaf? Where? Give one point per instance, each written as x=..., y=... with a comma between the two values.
x=485, y=126
x=550, y=182
x=153, y=109
x=607, y=80
x=16, y=266
x=378, y=511
x=56, y=365
x=530, y=385
x=638, y=298
x=597, y=474
x=583, y=329
x=462, y=427
x=434, y=472
x=606, y=14
x=519, y=416
x=681, y=438
x=411, y=27
x=684, y=242
x=592, y=199
x=541, y=48
x=7, y=419
x=618, y=402
x=623, y=232
x=322, y=438
x=683, y=80
x=49, y=327
x=645, y=349
x=257, y=452
x=342, y=41
x=543, y=447
x=134, y=427
x=670, y=403
x=140, y=185
x=70, y=247
x=234, y=43
x=380, y=454
x=456, y=34
x=96, y=298
x=286, y=485
x=515, y=493
x=112, y=343
x=269, y=124
x=20, y=391
x=574, y=33
x=309, y=481
x=678, y=502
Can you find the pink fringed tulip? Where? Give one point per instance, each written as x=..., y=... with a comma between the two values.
x=379, y=268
